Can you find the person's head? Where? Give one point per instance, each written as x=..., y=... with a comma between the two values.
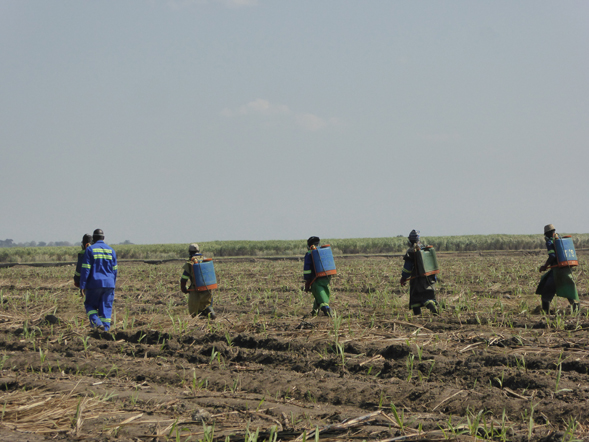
x=193, y=249
x=313, y=241
x=86, y=240
x=97, y=235
x=414, y=236
x=549, y=230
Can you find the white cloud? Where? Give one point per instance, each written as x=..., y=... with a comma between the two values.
x=310, y=122
x=264, y=108
x=257, y=107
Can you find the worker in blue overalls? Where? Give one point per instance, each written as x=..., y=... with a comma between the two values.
x=98, y=277
x=421, y=288
x=558, y=280
x=86, y=239
x=318, y=286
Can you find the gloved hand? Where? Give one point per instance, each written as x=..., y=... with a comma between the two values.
x=543, y=268
x=307, y=286
x=184, y=289
x=403, y=281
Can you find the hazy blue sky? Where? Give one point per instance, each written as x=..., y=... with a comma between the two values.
x=180, y=121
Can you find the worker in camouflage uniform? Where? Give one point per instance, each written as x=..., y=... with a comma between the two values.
x=199, y=302
x=86, y=240
x=318, y=286
x=421, y=288
x=558, y=280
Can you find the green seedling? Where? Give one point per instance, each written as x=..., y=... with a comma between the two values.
x=85, y=342
x=399, y=417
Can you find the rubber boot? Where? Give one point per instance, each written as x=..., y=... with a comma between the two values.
x=208, y=312
x=546, y=307
x=326, y=310
x=575, y=306
x=417, y=311
x=433, y=307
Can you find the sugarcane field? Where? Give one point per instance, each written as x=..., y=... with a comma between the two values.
x=490, y=366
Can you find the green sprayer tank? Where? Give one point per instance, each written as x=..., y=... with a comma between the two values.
x=427, y=262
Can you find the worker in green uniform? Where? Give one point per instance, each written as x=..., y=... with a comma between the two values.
x=558, y=280
x=199, y=302
x=319, y=286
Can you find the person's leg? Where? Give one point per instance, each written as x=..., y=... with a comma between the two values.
x=547, y=298
x=91, y=303
x=574, y=305
x=325, y=308
x=546, y=289
x=566, y=287
x=205, y=304
x=432, y=306
x=105, y=309
x=321, y=292
x=193, y=304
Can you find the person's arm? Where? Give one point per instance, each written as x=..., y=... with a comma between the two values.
x=78, y=269
x=308, y=271
x=115, y=266
x=551, y=255
x=86, y=266
x=183, y=280
x=407, y=269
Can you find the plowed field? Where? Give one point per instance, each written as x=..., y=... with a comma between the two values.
x=491, y=366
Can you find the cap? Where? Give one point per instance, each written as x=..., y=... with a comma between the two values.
x=193, y=248
x=414, y=235
x=313, y=241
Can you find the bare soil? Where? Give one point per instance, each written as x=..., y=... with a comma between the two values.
x=491, y=366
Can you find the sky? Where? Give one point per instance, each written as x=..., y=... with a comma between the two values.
x=174, y=121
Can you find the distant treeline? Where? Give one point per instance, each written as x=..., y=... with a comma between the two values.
x=291, y=247
x=11, y=243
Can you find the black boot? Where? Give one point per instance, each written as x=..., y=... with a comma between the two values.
x=433, y=307
x=575, y=306
x=417, y=311
x=208, y=313
x=546, y=307
x=326, y=310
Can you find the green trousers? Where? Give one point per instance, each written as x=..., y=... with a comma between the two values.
x=198, y=301
x=559, y=282
x=321, y=292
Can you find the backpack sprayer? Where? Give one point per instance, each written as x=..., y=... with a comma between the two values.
x=204, y=276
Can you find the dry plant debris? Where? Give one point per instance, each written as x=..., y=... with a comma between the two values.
x=490, y=367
